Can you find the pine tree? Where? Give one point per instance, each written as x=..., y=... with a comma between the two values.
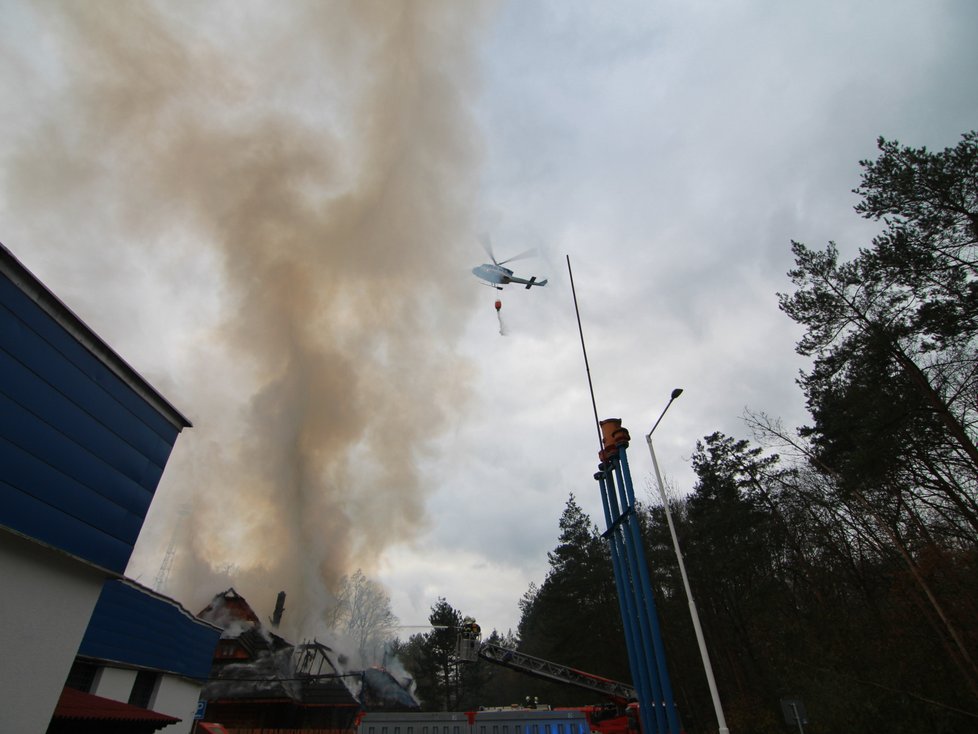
x=573, y=618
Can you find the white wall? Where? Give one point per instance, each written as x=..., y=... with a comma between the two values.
x=46, y=601
x=177, y=697
x=174, y=696
x=115, y=683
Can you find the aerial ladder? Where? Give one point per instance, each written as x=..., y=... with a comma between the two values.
x=620, y=693
x=618, y=717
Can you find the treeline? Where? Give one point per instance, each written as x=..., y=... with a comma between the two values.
x=837, y=562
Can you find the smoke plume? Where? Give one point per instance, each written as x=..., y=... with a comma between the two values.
x=267, y=210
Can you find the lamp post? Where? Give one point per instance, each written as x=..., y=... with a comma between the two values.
x=721, y=722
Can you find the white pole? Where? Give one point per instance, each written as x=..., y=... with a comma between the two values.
x=794, y=707
x=721, y=722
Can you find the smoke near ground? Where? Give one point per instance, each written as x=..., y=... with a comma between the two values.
x=277, y=202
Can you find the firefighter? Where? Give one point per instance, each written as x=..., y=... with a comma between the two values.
x=470, y=630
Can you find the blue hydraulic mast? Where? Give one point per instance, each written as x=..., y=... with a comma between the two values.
x=643, y=635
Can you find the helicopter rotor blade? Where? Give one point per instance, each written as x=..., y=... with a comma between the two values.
x=487, y=246
x=529, y=253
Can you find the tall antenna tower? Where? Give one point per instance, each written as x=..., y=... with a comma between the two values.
x=163, y=575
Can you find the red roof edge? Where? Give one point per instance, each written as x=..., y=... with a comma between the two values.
x=75, y=704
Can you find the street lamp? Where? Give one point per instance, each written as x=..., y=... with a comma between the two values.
x=721, y=722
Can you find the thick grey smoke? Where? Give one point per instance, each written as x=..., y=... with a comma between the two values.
x=275, y=203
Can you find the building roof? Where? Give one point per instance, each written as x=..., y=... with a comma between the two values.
x=381, y=690
x=78, y=706
x=230, y=611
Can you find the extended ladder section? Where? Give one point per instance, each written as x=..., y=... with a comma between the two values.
x=615, y=690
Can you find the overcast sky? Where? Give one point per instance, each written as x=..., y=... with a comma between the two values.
x=152, y=161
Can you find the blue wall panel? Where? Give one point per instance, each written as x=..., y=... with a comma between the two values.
x=38, y=327
x=131, y=625
x=81, y=451
x=87, y=466
x=36, y=519
x=65, y=492
x=85, y=382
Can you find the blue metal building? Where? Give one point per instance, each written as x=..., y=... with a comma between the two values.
x=84, y=440
x=146, y=650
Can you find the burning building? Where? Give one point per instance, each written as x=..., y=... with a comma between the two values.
x=259, y=679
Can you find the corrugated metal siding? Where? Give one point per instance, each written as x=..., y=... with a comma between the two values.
x=81, y=453
x=133, y=626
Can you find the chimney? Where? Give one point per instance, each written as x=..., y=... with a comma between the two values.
x=279, y=609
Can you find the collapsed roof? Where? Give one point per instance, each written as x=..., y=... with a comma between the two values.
x=252, y=663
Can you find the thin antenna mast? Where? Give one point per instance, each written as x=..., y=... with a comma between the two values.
x=587, y=367
x=163, y=575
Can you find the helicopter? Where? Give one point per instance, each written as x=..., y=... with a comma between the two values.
x=496, y=276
